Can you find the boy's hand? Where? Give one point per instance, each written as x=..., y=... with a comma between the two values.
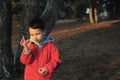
x=42, y=70
x=25, y=43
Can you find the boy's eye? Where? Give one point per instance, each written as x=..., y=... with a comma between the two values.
x=37, y=33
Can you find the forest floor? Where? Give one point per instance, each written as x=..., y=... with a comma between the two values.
x=88, y=51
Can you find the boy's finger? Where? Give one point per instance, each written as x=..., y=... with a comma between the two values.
x=28, y=42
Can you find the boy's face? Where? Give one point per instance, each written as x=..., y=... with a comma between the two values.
x=36, y=34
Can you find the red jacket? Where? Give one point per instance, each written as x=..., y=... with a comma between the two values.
x=47, y=56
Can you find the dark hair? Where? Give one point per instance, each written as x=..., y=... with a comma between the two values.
x=37, y=23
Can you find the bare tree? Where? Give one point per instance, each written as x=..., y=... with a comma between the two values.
x=6, y=57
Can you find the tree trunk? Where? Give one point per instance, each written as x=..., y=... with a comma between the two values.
x=93, y=15
x=51, y=14
x=6, y=57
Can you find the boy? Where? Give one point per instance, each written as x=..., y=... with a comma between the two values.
x=40, y=55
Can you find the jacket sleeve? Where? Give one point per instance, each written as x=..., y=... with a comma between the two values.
x=27, y=58
x=55, y=59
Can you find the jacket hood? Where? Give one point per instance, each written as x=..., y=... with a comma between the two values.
x=47, y=39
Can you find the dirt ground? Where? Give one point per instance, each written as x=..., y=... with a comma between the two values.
x=88, y=51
